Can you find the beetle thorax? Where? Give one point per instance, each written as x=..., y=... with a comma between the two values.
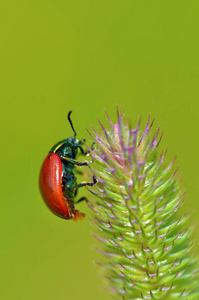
x=67, y=148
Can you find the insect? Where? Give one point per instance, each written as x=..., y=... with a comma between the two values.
x=57, y=181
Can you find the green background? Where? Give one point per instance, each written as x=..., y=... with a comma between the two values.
x=84, y=56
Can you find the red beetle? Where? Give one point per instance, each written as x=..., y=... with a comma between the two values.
x=57, y=181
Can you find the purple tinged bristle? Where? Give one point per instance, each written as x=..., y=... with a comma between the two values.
x=142, y=217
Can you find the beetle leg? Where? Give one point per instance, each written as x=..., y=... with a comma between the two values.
x=84, y=183
x=75, y=162
x=82, y=150
x=91, y=149
x=81, y=199
x=75, y=194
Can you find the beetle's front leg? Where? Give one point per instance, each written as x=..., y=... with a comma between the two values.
x=83, y=152
x=75, y=162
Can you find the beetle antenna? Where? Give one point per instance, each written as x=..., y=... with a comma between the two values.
x=71, y=123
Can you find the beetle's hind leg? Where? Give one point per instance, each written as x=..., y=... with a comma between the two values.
x=81, y=199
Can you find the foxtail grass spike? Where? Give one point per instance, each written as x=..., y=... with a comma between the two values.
x=143, y=241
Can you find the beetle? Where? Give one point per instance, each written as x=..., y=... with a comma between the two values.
x=57, y=180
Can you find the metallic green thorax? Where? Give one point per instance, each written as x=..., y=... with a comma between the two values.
x=68, y=147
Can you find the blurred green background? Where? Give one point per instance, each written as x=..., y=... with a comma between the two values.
x=84, y=56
